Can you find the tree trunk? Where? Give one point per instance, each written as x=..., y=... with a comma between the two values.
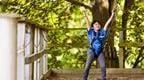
x=126, y=11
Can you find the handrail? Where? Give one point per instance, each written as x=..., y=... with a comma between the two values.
x=32, y=64
x=33, y=57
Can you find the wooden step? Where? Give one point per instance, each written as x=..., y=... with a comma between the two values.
x=112, y=74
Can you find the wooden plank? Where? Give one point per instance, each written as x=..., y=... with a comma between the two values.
x=28, y=51
x=34, y=57
x=35, y=52
x=67, y=28
x=38, y=48
x=98, y=71
x=45, y=57
x=131, y=44
x=95, y=74
x=41, y=58
x=10, y=16
x=46, y=75
x=121, y=51
x=20, y=51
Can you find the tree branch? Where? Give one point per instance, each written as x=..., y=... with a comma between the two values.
x=137, y=59
x=79, y=4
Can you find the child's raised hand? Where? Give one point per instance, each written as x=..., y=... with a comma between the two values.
x=114, y=9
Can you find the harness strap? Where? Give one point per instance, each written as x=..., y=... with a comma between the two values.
x=93, y=39
x=91, y=45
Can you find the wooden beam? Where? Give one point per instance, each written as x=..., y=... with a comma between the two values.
x=67, y=28
x=20, y=51
x=41, y=58
x=36, y=45
x=46, y=75
x=34, y=57
x=28, y=51
x=131, y=44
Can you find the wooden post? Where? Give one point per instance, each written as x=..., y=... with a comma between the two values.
x=45, y=57
x=35, y=52
x=44, y=61
x=8, y=47
x=41, y=59
x=38, y=45
x=121, y=54
x=20, y=51
x=28, y=51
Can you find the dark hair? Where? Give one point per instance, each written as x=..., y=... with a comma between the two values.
x=94, y=22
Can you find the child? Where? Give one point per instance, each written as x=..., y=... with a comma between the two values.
x=96, y=37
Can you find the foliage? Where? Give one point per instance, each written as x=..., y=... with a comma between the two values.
x=68, y=47
x=135, y=33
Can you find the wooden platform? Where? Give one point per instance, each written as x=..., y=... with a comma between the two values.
x=112, y=74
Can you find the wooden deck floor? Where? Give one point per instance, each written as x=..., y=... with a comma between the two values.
x=112, y=74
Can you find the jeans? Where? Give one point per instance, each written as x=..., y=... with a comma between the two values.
x=90, y=59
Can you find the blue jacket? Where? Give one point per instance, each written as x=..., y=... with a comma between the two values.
x=99, y=37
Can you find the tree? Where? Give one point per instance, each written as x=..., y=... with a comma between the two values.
x=67, y=40
x=126, y=11
x=131, y=30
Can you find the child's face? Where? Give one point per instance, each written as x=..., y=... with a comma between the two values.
x=96, y=26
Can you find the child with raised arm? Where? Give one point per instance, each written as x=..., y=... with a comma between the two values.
x=96, y=37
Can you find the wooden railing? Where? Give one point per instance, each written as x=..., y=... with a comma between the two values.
x=23, y=49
